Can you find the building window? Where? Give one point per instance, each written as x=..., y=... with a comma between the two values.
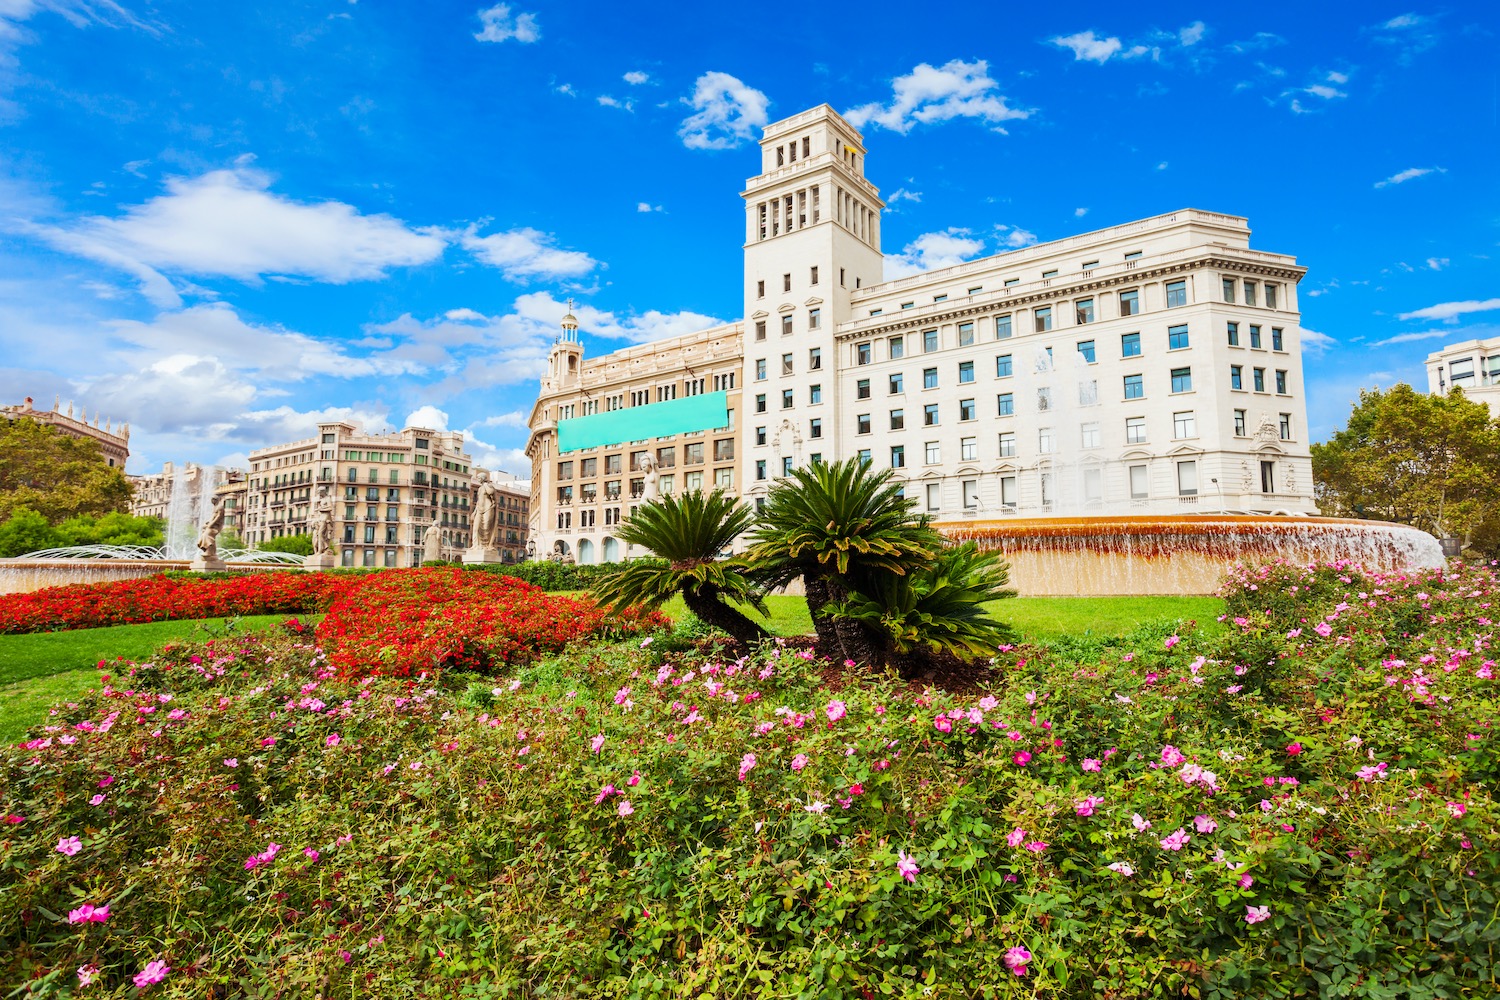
x=929, y=378
x=760, y=435
x=760, y=403
x=929, y=341
x=971, y=493
x=940, y=298
x=1130, y=345
x=1268, y=477
x=760, y=369
x=786, y=364
x=1044, y=440
x=864, y=453
x=934, y=496
x=1008, y=444
x=1130, y=302
x=760, y=329
x=1134, y=387
x=898, y=456
x=760, y=289
x=1270, y=296
x=760, y=469
x=1176, y=294
x=1049, y=274
x=1135, y=430
x=1234, y=335
x=786, y=325
x=1177, y=338
x=723, y=478
x=1239, y=423
x=841, y=277
x=862, y=354
x=815, y=394
x=786, y=282
x=1005, y=404
x=1278, y=343
x=896, y=384
x=1002, y=367
x=1260, y=379
x=1235, y=381
x=896, y=348
x=1249, y=293
x=862, y=389
x=1089, y=435
x=908, y=305
x=786, y=465
x=1182, y=380
x=1002, y=327
x=1043, y=319
x=898, y=420
x=930, y=415
x=1255, y=337
x=786, y=399
x=965, y=372
x=815, y=319
x=965, y=334
x=1280, y=382
x=1008, y=492
x=1187, y=479
x=932, y=453
x=1139, y=483
x=967, y=410
x=1285, y=428
x=815, y=427
x=1043, y=398
x=1083, y=311
x=1086, y=348
x=813, y=275
x=1183, y=425
x=814, y=359
x=862, y=424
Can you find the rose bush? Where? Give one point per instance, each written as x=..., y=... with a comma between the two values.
x=1259, y=814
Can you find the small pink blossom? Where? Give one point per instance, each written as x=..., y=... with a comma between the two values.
x=1255, y=914
x=1205, y=824
x=1022, y=758
x=1176, y=840
x=1121, y=867
x=799, y=762
x=69, y=846
x=1016, y=959
x=1293, y=749
x=1245, y=881
x=86, y=974
x=1037, y=846
x=1171, y=756
x=1141, y=824
x=624, y=808
x=597, y=743
x=634, y=779
x=1173, y=640
x=906, y=866
x=835, y=711
x=943, y=724
x=87, y=914
x=1016, y=837
x=1086, y=806
x=747, y=762
x=96, y=800
x=231, y=762
x=605, y=793
x=1372, y=772
x=153, y=973
x=1457, y=808
x=311, y=854
x=333, y=740
x=1091, y=764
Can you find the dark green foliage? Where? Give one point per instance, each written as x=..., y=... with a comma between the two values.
x=296, y=544
x=56, y=475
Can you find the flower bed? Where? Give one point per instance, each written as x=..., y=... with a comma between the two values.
x=1286, y=810
x=401, y=623
x=167, y=598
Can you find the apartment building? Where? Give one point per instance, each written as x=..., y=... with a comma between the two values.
x=113, y=441
x=389, y=489
x=1147, y=368
x=1473, y=366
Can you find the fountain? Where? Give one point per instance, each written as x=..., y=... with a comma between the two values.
x=1182, y=554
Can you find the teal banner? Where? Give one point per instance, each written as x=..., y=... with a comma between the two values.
x=642, y=423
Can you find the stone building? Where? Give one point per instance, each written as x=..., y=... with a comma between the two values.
x=113, y=441
x=1153, y=367
x=1473, y=366
x=390, y=491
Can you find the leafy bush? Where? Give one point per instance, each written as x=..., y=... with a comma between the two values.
x=300, y=545
x=1127, y=821
x=552, y=576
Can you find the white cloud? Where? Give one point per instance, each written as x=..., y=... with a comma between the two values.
x=933, y=250
x=566, y=88
x=1408, y=338
x=635, y=77
x=513, y=419
x=1437, y=263
x=1016, y=237
x=524, y=254
x=1162, y=165
x=1410, y=174
x=1258, y=42
x=500, y=25
x=226, y=223
x=901, y=194
x=1323, y=89
x=1315, y=343
x=646, y=206
x=1089, y=47
x=726, y=113
x=613, y=102
x=1325, y=92
x=427, y=416
x=928, y=95
x=1079, y=213
x=1452, y=310
x=542, y=309
x=1192, y=34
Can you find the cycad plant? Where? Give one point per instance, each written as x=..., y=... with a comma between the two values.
x=689, y=532
x=841, y=527
x=936, y=608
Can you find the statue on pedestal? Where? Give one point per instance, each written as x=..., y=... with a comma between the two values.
x=648, y=466
x=432, y=544
x=320, y=528
x=208, y=541
x=486, y=546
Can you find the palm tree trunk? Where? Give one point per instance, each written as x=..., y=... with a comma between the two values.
x=819, y=596
x=705, y=603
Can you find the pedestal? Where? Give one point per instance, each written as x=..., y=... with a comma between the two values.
x=202, y=565
x=479, y=554
x=318, y=563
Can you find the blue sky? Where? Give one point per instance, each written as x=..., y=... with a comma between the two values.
x=223, y=222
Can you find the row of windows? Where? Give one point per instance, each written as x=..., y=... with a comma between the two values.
x=665, y=484
x=1130, y=343
x=814, y=322
x=665, y=458
x=1129, y=300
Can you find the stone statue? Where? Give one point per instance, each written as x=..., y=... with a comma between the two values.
x=648, y=466
x=432, y=544
x=487, y=515
x=1267, y=431
x=320, y=525
x=208, y=534
x=560, y=553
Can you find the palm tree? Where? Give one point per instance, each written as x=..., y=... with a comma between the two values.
x=688, y=532
x=839, y=526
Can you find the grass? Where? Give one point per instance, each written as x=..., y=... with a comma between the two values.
x=44, y=668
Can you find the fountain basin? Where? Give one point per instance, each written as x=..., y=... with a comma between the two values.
x=1184, y=554
x=22, y=576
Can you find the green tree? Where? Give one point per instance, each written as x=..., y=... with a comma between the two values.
x=841, y=527
x=1430, y=461
x=55, y=475
x=110, y=529
x=26, y=531
x=688, y=533
x=296, y=544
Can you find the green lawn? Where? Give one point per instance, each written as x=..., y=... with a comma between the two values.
x=42, y=669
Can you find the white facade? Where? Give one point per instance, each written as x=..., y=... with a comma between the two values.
x=1473, y=366
x=1153, y=367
